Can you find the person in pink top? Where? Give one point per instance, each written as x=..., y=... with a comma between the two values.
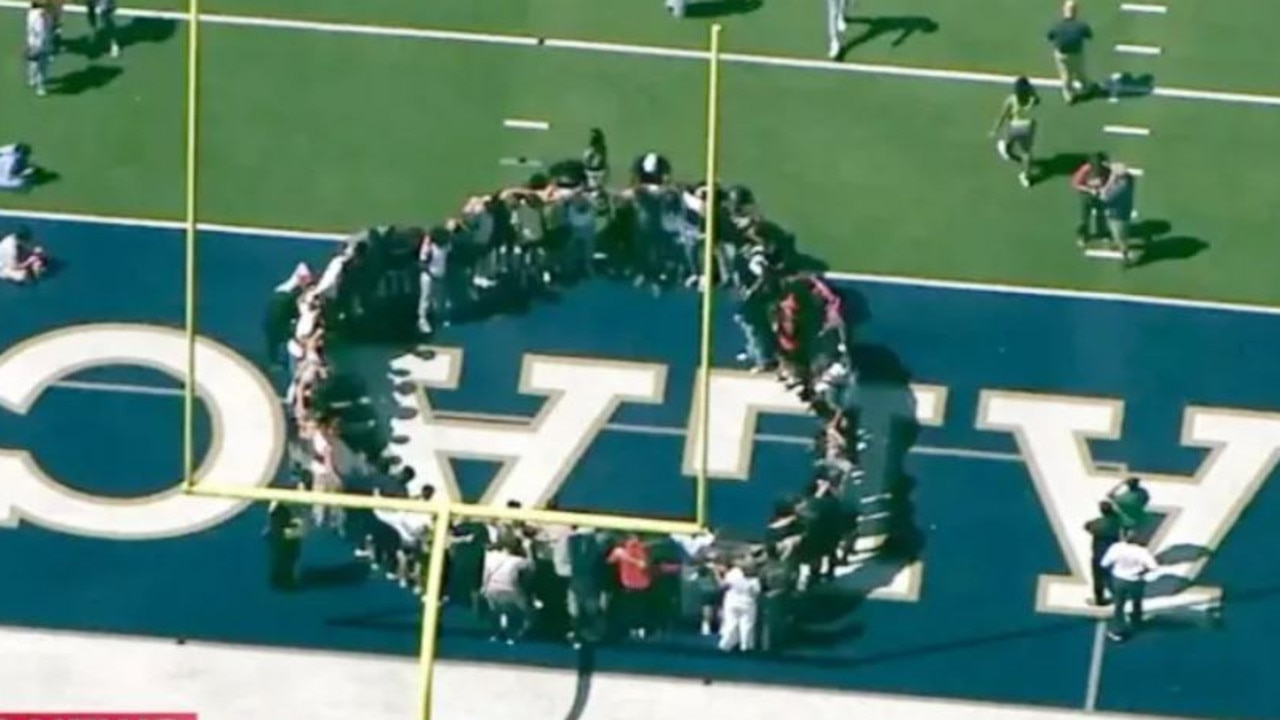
x=635, y=576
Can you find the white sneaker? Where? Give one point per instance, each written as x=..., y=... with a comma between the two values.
x=115, y=50
x=842, y=25
x=1002, y=147
x=1024, y=179
x=834, y=51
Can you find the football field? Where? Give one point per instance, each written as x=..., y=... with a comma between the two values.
x=1032, y=378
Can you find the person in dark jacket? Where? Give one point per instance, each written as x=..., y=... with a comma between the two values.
x=284, y=546
x=1105, y=531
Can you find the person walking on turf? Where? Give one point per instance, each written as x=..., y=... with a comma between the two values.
x=1130, y=564
x=39, y=47
x=102, y=20
x=1068, y=38
x=837, y=25
x=1015, y=128
x=1104, y=531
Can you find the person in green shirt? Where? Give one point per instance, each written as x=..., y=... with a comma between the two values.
x=1130, y=500
x=1015, y=128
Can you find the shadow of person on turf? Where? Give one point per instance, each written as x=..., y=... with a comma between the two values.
x=138, y=31
x=1160, y=245
x=901, y=27
x=86, y=79
x=888, y=538
x=721, y=8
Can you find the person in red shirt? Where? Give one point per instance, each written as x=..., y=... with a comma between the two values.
x=833, y=333
x=1088, y=180
x=635, y=576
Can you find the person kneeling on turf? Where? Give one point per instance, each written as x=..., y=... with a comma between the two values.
x=16, y=170
x=20, y=260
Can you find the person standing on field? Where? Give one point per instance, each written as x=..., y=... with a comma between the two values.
x=39, y=47
x=1068, y=38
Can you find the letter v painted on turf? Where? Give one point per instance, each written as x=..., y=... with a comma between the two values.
x=537, y=454
x=1052, y=433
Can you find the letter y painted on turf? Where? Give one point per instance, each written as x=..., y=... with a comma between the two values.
x=1052, y=433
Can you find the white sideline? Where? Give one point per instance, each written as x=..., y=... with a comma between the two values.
x=1238, y=98
x=1007, y=289
x=63, y=671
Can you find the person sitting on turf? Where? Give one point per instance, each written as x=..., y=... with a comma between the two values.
x=16, y=170
x=1088, y=181
x=21, y=261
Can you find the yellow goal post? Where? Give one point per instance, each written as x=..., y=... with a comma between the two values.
x=444, y=510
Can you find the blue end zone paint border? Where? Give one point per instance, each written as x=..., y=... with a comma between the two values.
x=974, y=634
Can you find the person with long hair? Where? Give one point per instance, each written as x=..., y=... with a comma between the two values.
x=1015, y=128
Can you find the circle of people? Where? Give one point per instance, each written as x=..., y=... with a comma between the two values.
x=563, y=226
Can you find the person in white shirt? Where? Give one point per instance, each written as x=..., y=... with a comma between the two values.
x=505, y=570
x=39, y=47
x=16, y=170
x=413, y=530
x=1131, y=564
x=738, y=610
x=433, y=291
x=20, y=262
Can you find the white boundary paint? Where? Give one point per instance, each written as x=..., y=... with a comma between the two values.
x=291, y=234
x=72, y=671
x=1237, y=98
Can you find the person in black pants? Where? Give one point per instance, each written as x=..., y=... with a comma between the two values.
x=284, y=545
x=1105, y=530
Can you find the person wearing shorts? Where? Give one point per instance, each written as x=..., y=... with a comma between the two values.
x=1015, y=128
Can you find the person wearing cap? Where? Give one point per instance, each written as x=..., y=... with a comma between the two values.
x=1068, y=37
x=651, y=169
x=1131, y=564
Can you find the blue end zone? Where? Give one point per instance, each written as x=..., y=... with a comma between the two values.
x=974, y=632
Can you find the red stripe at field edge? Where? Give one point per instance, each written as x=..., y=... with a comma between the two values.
x=96, y=716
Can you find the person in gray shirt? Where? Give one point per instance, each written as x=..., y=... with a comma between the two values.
x=1117, y=198
x=1069, y=37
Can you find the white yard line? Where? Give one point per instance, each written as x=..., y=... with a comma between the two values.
x=1094, y=682
x=1000, y=288
x=1235, y=98
x=1149, y=9
x=1126, y=130
x=626, y=428
x=1138, y=49
x=518, y=124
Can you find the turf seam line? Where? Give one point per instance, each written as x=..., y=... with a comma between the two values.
x=1226, y=97
x=878, y=278
x=1138, y=49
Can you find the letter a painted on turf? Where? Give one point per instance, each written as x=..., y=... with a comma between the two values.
x=1052, y=433
x=537, y=454
x=244, y=450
